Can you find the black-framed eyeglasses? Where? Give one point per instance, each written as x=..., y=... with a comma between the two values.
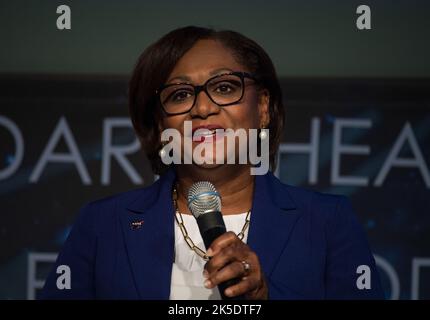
x=224, y=90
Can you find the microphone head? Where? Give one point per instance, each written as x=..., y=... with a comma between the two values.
x=203, y=198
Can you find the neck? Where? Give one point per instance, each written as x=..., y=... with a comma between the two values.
x=234, y=183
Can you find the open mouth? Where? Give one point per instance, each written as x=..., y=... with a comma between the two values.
x=207, y=133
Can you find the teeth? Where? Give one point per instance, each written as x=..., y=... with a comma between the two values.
x=208, y=132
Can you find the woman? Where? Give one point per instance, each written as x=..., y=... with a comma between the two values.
x=145, y=244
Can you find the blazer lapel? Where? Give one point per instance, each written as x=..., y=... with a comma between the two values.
x=273, y=217
x=148, y=228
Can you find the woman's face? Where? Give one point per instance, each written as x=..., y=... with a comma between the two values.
x=206, y=59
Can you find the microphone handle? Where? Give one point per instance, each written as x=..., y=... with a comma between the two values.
x=212, y=226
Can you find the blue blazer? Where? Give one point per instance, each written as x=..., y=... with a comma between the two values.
x=309, y=245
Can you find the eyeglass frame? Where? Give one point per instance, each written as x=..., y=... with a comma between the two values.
x=199, y=88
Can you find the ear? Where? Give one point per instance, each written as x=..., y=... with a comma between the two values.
x=263, y=107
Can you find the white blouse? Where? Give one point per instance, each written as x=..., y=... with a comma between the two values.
x=187, y=272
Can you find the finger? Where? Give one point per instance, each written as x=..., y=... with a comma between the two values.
x=221, y=242
x=236, y=251
x=230, y=271
x=247, y=285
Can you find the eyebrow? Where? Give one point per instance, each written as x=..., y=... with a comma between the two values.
x=217, y=71
x=212, y=73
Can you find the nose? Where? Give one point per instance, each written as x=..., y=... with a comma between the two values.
x=204, y=106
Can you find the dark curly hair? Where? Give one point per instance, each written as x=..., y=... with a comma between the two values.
x=157, y=62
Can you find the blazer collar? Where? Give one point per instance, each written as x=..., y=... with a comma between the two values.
x=273, y=217
x=160, y=190
x=150, y=247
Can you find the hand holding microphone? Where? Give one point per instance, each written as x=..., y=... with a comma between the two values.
x=233, y=266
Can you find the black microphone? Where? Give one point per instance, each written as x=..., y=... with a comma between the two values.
x=205, y=204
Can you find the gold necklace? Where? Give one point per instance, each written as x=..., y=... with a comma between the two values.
x=188, y=240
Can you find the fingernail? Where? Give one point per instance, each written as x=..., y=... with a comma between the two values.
x=207, y=284
x=228, y=292
x=205, y=274
x=209, y=252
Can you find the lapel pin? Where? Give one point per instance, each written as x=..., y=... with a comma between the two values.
x=136, y=224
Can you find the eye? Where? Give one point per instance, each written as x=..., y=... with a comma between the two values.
x=225, y=88
x=179, y=95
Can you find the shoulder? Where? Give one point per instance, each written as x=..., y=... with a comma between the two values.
x=328, y=214
x=118, y=199
x=104, y=210
x=325, y=206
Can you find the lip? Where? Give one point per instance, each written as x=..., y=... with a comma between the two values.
x=202, y=138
